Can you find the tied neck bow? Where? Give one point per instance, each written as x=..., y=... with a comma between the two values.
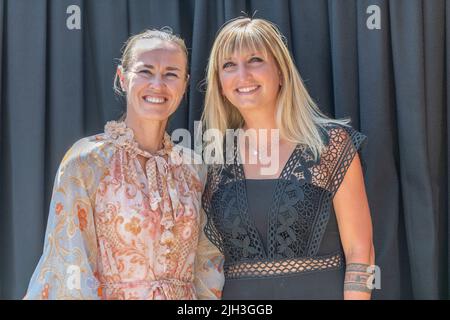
x=161, y=185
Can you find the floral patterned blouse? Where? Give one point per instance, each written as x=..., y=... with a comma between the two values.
x=117, y=230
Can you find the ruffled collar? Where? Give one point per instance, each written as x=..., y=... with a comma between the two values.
x=163, y=195
x=123, y=136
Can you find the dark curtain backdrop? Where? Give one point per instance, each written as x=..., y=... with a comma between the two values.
x=56, y=87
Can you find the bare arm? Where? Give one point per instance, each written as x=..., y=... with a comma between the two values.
x=355, y=228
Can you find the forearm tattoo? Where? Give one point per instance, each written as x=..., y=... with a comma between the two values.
x=357, y=277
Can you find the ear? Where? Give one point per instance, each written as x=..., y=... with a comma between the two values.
x=121, y=74
x=186, y=83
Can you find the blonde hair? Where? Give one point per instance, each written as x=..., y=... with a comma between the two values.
x=164, y=34
x=298, y=117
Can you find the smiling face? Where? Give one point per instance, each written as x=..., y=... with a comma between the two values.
x=156, y=79
x=250, y=79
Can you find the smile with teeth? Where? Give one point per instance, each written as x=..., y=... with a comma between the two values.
x=151, y=99
x=247, y=89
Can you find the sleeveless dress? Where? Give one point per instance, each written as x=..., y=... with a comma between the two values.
x=280, y=237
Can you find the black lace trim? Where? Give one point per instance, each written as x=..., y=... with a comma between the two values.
x=301, y=204
x=284, y=267
x=354, y=143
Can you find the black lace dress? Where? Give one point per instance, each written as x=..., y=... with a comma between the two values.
x=280, y=237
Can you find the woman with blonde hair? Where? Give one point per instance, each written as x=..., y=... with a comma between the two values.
x=125, y=219
x=301, y=230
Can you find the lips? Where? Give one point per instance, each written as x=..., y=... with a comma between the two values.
x=247, y=89
x=154, y=100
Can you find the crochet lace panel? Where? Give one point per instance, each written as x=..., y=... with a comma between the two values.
x=298, y=215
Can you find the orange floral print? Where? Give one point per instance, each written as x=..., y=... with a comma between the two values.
x=152, y=222
x=100, y=291
x=44, y=294
x=217, y=292
x=59, y=208
x=123, y=247
x=133, y=226
x=82, y=218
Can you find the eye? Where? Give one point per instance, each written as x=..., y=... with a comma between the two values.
x=228, y=65
x=255, y=59
x=144, y=71
x=171, y=74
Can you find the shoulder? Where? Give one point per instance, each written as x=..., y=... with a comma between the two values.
x=193, y=162
x=342, y=144
x=89, y=149
x=87, y=154
x=335, y=134
x=338, y=138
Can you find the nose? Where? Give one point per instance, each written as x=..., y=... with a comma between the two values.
x=156, y=82
x=243, y=71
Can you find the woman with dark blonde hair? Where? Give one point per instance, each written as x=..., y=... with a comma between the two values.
x=302, y=230
x=125, y=218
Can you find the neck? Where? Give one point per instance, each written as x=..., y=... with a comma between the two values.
x=261, y=118
x=148, y=134
x=264, y=118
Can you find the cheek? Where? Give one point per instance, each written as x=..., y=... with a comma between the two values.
x=271, y=77
x=226, y=84
x=178, y=90
x=135, y=85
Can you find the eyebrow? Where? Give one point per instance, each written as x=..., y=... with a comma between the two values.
x=250, y=55
x=149, y=66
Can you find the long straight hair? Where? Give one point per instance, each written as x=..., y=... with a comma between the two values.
x=297, y=116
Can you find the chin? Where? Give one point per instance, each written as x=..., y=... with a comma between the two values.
x=158, y=115
x=248, y=106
